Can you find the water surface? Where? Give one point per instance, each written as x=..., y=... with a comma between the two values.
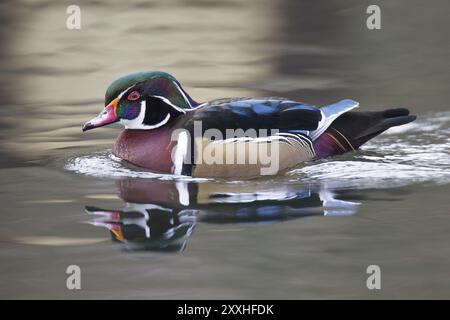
x=310, y=232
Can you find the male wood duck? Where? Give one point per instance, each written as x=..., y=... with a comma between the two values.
x=165, y=129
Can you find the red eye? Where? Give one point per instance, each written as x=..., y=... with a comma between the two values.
x=134, y=96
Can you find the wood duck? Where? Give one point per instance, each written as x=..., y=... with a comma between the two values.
x=167, y=131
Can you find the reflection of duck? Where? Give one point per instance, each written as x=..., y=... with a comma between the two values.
x=147, y=227
x=161, y=215
x=153, y=107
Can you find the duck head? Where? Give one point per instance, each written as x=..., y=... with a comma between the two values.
x=143, y=100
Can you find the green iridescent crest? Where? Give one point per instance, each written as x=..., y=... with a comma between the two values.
x=156, y=83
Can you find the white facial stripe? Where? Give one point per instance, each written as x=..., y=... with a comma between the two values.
x=182, y=93
x=137, y=123
x=166, y=119
x=167, y=101
x=123, y=92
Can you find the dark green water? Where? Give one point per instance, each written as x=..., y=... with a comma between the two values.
x=308, y=233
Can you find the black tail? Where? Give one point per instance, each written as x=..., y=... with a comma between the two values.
x=356, y=128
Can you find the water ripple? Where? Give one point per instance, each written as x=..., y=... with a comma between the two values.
x=105, y=165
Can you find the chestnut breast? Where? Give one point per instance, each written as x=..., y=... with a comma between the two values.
x=150, y=149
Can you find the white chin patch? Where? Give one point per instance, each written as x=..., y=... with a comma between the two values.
x=136, y=123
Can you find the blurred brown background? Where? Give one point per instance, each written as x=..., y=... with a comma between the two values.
x=53, y=79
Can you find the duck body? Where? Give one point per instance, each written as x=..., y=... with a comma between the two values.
x=167, y=131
